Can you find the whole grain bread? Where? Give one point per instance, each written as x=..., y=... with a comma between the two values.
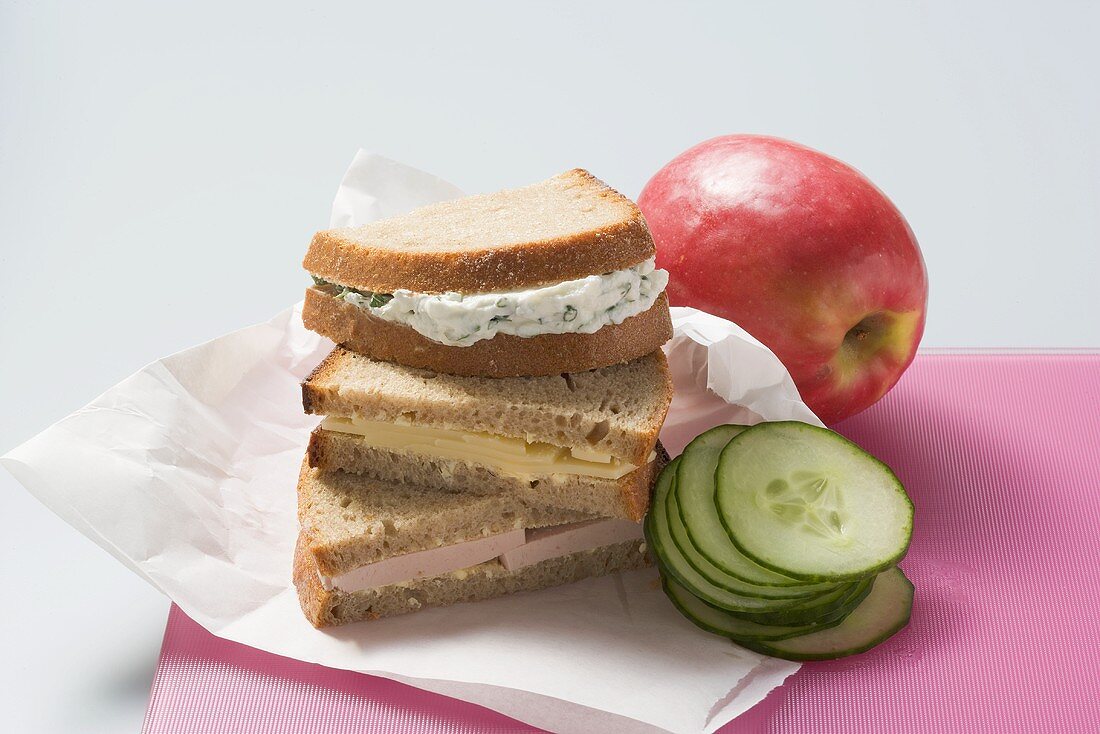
x=626, y=497
x=569, y=226
x=617, y=410
x=330, y=607
x=505, y=355
x=349, y=521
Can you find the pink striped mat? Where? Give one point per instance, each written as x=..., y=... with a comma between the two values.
x=1001, y=454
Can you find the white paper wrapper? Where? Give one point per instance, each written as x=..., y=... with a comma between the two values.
x=186, y=470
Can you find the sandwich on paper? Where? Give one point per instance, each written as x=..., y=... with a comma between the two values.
x=554, y=277
x=490, y=416
x=203, y=449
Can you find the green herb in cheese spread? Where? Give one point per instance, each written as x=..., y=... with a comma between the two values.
x=582, y=306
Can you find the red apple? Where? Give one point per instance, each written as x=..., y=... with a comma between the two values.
x=803, y=252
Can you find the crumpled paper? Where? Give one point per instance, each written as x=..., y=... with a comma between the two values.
x=186, y=473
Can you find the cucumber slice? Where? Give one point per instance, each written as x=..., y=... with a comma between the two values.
x=695, y=499
x=716, y=576
x=882, y=614
x=809, y=504
x=675, y=565
x=723, y=623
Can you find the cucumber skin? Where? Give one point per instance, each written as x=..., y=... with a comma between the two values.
x=764, y=648
x=807, y=615
x=818, y=577
x=794, y=632
x=660, y=552
x=775, y=606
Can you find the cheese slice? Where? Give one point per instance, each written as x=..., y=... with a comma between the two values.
x=506, y=454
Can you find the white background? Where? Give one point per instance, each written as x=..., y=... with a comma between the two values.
x=162, y=169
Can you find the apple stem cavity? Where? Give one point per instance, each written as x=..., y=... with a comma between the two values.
x=867, y=326
x=879, y=332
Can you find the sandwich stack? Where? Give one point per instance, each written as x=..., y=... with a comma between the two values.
x=490, y=416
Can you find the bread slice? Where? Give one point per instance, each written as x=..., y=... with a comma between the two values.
x=349, y=521
x=626, y=497
x=567, y=227
x=330, y=607
x=505, y=355
x=617, y=410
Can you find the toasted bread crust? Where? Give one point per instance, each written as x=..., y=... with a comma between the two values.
x=315, y=601
x=505, y=355
x=366, y=258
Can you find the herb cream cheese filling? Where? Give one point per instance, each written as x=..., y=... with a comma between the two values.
x=582, y=306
